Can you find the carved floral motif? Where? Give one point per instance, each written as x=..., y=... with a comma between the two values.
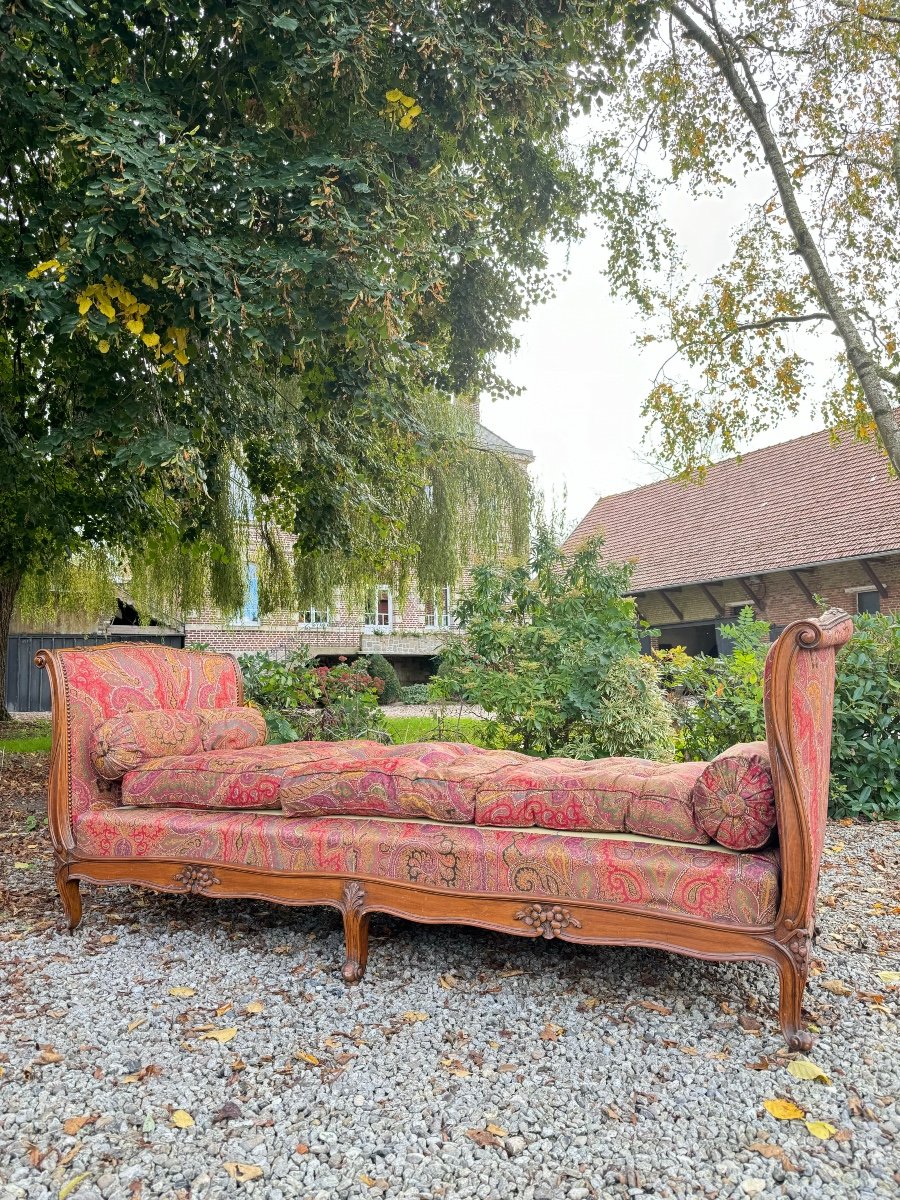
x=353, y=896
x=548, y=919
x=196, y=879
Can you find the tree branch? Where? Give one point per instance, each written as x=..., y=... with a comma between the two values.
x=770, y=322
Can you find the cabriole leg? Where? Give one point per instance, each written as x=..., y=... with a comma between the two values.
x=792, y=979
x=70, y=894
x=356, y=939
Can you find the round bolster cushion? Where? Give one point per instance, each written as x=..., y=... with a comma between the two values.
x=734, y=798
x=231, y=728
x=122, y=743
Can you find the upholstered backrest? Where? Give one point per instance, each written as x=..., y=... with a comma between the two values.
x=95, y=683
x=799, y=704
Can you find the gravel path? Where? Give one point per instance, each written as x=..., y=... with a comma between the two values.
x=466, y=1064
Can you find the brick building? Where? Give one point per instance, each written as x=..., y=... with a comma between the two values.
x=776, y=529
x=408, y=635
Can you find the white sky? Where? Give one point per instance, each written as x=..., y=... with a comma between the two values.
x=585, y=378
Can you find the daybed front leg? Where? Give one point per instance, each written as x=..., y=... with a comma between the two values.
x=356, y=931
x=793, y=969
x=70, y=894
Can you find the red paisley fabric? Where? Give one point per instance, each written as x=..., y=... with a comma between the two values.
x=615, y=795
x=122, y=743
x=734, y=798
x=249, y=778
x=231, y=728
x=108, y=681
x=434, y=780
x=623, y=870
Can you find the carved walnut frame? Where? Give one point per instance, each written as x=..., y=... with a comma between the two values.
x=784, y=945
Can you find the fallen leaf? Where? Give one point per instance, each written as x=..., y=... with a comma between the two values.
x=68, y=1188
x=182, y=1119
x=108, y=939
x=284, y=948
x=182, y=993
x=254, y=1008
x=481, y=1137
x=837, y=987
x=73, y=1124
x=762, y=1064
x=238, y=1064
x=551, y=1032
x=652, y=1006
x=769, y=1151
x=749, y=1024
x=219, y=1035
x=228, y=1112
x=802, y=1068
x=412, y=1017
x=224, y=1008
x=821, y=1129
x=888, y=976
x=455, y=1067
x=243, y=1172
x=48, y=1056
x=496, y=1130
x=588, y=1004
x=511, y=974
x=137, y=1024
x=306, y=1057
x=142, y=1074
x=446, y=981
x=783, y=1110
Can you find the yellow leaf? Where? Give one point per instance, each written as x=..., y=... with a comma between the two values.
x=50, y=265
x=150, y=339
x=406, y=122
x=254, y=1008
x=783, y=1110
x=837, y=987
x=220, y=1035
x=821, y=1129
x=304, y=1056
x=183, y=993
x=149, y=281
x=392, y=96
x=406, y=101
x=415, y=110
x=802, y=1068
x=68, y=1188
x=180, y=357
x=412, y=1017
x=136, y=1024
x=446, y=981
x=223, y=1009
x=103, y=346
x=889, y=976
x=73, y=1124
x=136, y=326
x=84, y=303
x=107, y=309
x=367, y=1180
x=243, y=1172
x=182, y=1119
x=496, y=1130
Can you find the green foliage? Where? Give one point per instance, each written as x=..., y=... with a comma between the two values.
x=415, y=693
x=279, y=684
x=546, y=643
x=29, y=745
x=865, y=754
x=721, y=699
x=380, y=668
x=440, y=728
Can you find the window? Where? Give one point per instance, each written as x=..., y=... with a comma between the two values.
x=437, y=609
x=382, y=615
x=868, y=602
x=315, y=617
x=250, y=612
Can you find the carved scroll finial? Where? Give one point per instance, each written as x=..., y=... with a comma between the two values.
x=195, y=879
x=548, y=919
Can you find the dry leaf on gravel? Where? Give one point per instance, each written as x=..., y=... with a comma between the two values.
x=47, y=1057
x=783, y=1110
x=182, y=1119
x=821, y=1129
x=496, y=1130
x=551, y=1032
x=455, y=1067
x=769, y=1151
x=243, y=1172
x=224, y=1008
x=72, y=1125
x=254, y=1008
x=412, y=1017
x=228, y=1112
x=888, y=976
x=481, y=1137
x=446, y=981
x=182, y=993
x=652, y=1006
x=802, y=1068
x=306, y=1057
x=749, y=1024
x=68, y=1188
x=133, y=1025
x=219, y=1035
x=837, y=987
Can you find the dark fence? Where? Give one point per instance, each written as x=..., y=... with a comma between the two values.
x=28, y=688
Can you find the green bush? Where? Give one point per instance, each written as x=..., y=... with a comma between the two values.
x=415, y=693
x=546, y=647
x=865, y=750
x=381, y=669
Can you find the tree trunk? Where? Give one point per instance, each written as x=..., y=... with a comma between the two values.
x=727, y=54
x=9, y=587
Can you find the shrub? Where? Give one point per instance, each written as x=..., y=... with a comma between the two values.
x=415, y=693
x=274, y=683
x=545, y=646
x=865, y=753
x=382, y=669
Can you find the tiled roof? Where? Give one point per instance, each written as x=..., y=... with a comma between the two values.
x=800, y=503
x=488, y=440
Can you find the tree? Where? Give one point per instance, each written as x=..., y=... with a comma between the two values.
x=551, y=648
x=805, y=97
x=251, y=254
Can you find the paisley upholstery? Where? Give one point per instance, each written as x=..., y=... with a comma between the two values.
x=231, y=728
x=624, y=795
x=734, y=798
x=624, y=870
x=124, y=742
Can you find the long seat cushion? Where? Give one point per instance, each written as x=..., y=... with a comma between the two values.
x=609, y=795
x=709, y=883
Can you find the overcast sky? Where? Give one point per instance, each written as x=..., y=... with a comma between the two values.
x=584, y=377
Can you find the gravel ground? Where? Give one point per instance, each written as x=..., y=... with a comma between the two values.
x=466, y=1064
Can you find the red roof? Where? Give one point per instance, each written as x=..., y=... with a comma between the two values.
x=800, y=503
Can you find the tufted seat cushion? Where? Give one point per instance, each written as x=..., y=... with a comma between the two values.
x=734, y=800
x=607, y=795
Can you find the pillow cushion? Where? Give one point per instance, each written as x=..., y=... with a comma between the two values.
x=124, y=742
x=231, y=728
x=734, y=799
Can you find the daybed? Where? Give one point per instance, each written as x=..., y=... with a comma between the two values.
x=159, y=777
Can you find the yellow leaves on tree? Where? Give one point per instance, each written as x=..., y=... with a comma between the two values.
x=121, y=306
x=401, y=108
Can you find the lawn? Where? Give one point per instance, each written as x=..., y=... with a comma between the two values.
x=25, y=737
x=424, y=729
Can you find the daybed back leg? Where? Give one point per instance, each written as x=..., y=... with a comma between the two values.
x=70, y=894
x=356, y=930
x=792, y=978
